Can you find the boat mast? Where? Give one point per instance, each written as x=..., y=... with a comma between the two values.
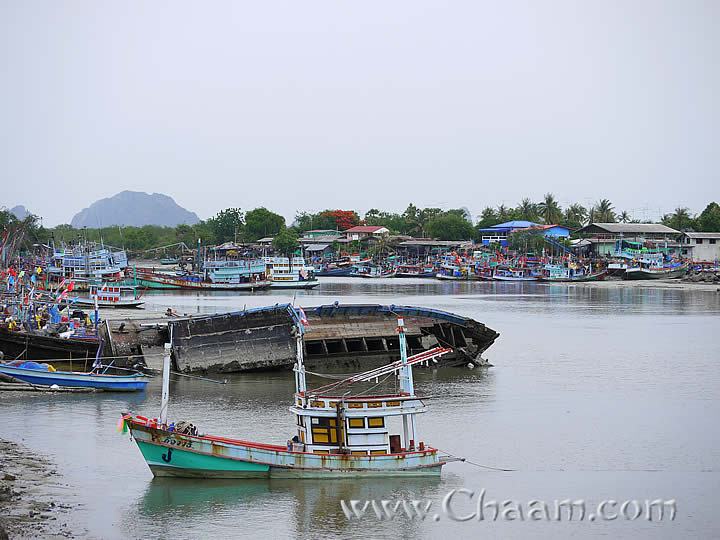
x=407, y=385
x=165, y=385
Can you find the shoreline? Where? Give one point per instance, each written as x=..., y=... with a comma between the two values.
x=33, y=501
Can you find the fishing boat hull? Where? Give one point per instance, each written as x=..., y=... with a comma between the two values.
x=175, y=455
x=645, y=273
x=334, y=272
x=171, y=283
x=445, y=277
x=308, y=284
x=118, y=383
x=42, y=347
x=89, y=302
x=511, y=278
x=599, y=276
x=423, y=275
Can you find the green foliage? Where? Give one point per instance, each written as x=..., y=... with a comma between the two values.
x=227, y=224
x=260, y=223
x=549, y=210
x=527, y=210
x=450, y=226
x=575, y=216
x=286, y=242
x=527, y=242
x=602, y=212
x=709, y=219
x=680, y=219
x=488, y=218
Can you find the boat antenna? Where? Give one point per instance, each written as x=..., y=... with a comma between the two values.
x=165, y=385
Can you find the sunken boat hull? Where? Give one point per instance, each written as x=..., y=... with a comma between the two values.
x=349, y=335
x=45, y=347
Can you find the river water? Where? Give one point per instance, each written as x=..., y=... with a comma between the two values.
x=598, y=392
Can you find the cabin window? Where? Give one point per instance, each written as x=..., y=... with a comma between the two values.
x=712, y=240
x=356, y=422
x=377, y=421
x=698, y=240
x=317, y=404
x=355, y=405
x=393, y=404
x=300, y=421
x=333, y=404
x=374, y=404
x=377, y=452
x=324, y=430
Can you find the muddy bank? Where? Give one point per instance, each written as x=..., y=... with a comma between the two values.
x=34, y=503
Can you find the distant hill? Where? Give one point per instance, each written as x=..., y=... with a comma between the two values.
x=20, y=212
x=134, y=208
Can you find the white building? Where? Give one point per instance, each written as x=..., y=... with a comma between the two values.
x=701, y=246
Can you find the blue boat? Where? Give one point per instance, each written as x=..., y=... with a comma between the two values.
x=38, y=374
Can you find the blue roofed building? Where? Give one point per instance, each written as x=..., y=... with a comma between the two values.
x=498, y=234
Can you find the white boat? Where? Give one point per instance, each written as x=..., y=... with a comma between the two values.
x=285, y=273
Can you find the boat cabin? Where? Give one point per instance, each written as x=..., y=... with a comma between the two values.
x=359, y=426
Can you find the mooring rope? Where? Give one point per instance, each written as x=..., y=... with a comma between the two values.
x=480, y=465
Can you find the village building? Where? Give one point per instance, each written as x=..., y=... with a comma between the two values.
x=420, y=248
x=701, y=246
x=500, y=233
x=366, y=231
x=603, y=237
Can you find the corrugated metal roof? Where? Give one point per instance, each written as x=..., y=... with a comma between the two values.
x=628, y=228
x=317, y=247
x=366, y=229
x=517, y=224
x=702, y=234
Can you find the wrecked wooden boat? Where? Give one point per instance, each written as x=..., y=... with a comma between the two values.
x=348, y=335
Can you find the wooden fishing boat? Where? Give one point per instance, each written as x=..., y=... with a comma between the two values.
x=643, y=272
x=72, y=379
x=338, y=435
x=166, y=281
x=370, y=271
x=514, y=274
x=414, y=271
x=569, y=274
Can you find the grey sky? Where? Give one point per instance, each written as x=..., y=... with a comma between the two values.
x=309, y=105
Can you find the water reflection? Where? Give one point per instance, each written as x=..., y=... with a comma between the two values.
x=304, y=506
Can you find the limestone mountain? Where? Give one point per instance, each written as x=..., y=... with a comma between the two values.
x=134, y=208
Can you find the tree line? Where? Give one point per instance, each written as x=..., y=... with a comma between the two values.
x=236, y=225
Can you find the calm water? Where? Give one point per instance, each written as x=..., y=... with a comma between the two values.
x=597, y=393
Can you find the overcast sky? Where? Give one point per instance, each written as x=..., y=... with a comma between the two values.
x=306, y=105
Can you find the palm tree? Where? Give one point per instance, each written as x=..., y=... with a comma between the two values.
x=549, y=209
x=503, y=213
x=603, y=212
x=680, y=219
x=527, y=210
x=624, y=217
x=575, y=215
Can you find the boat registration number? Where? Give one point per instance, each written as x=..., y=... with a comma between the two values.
x=176, y=442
